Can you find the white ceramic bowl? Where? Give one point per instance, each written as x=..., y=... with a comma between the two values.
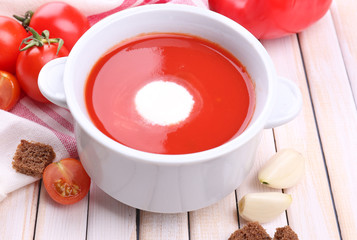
x=157, y=182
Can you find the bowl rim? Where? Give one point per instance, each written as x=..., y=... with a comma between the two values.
x=170, y=159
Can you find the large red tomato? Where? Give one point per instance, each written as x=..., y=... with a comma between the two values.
x=61, y=20
x=272, y=18
x=29, y=64
x=11, y=35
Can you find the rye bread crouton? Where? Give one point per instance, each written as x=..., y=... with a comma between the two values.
x=31, y=158
x=251, y=231
x=285, y=233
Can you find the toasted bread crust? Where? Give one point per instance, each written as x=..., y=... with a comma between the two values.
x=285, y=233
x=251, y=231
x=31, y=158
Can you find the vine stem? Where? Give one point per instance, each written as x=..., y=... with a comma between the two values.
x=39, y=40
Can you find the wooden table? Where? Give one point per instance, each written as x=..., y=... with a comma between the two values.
x=322, y=61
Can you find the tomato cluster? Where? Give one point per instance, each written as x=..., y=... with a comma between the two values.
x=61, y=21
x=48, y=33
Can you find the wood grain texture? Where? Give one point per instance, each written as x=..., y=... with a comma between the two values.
x=344, y=19
x=56, y=221
x=18, y=213
x=336, y=117
x=215, y=222
x=312, y=194
x=157, y=226
x=109, y=218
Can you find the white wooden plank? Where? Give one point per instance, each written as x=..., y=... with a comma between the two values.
x=311, y=214
x=215, y=222
x=18, y=213
x=109, y=218
x=336, y=117
x=56, y=221
x=345, y=18
x=156, y=226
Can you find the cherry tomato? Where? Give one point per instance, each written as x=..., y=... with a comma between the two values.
x=272, y=18
x=66, y=181
x=61, y=20
x=11, y=35
x=29, y=64
x=9, y=90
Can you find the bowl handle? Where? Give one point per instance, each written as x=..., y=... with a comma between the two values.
x=287, y=105
x=50, y=81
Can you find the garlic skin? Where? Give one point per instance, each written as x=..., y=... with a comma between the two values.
x=283, y=170
x=263, y=207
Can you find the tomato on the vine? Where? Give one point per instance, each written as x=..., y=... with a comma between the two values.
x=66, y=181
x=11, y=35
x=272, y=18
x=61, y=20
x=31, y=60
x=9, y=90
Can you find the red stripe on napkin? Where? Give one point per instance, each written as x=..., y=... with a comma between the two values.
x=126, y=4
x=55, y=116
x=67, y=140
x=132, y=3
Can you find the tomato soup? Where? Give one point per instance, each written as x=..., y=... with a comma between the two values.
x=169, y=93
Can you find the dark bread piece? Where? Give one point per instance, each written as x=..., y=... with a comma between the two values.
x=251, y=231
x=285, y=233
x=31, y=158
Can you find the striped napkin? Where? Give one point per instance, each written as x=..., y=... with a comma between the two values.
x=88, y=7
x=48, y=123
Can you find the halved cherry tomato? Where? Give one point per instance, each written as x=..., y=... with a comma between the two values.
x=11, y=35
x=9, y=90
x=66, y=181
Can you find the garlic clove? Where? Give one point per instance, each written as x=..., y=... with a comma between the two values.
x=283, y=170
x=263, y=207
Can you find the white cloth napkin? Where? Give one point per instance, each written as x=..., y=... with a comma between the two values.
x=49, y=124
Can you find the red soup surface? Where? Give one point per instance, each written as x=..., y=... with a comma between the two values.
x=170, y=94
